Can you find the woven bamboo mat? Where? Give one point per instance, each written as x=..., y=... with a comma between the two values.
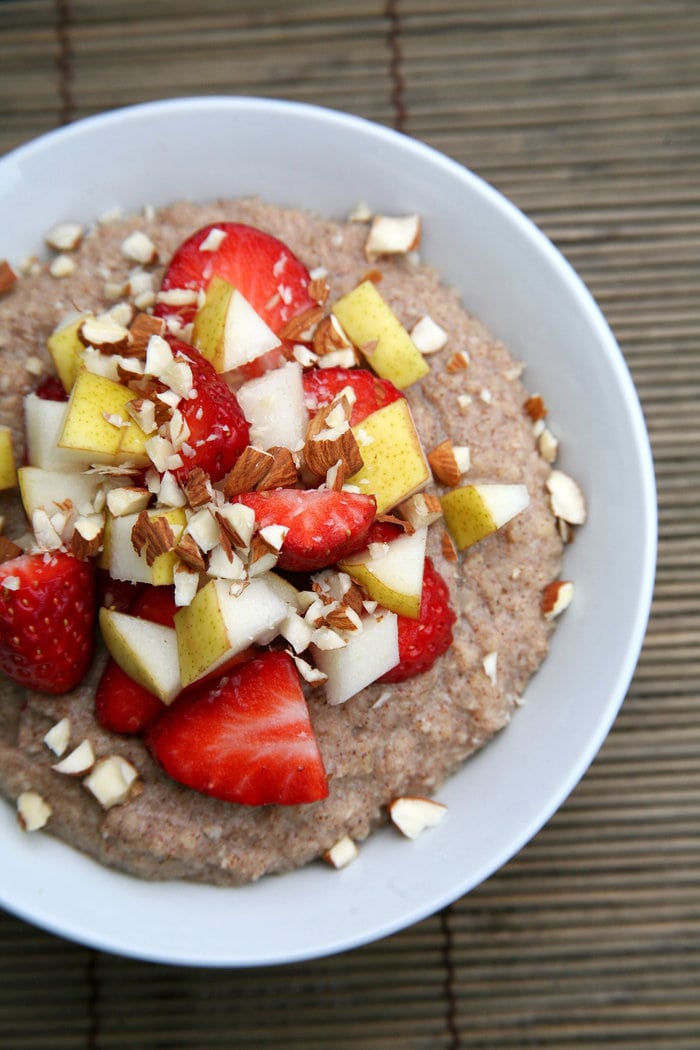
x=586, y=113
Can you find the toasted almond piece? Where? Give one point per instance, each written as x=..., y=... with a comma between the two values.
x=105, y=333
x=65, y=237
x=79, y=761
x=535, y=408
x=33, y=811
x=413, y=815
x=142, y=328
x=303, y=325
x=282, y=472
x=566, y=498
x=330, y=439
x=138, y=247
x=443, y=464
x=88, y=533
x=449, y=551
x=329, y=337
x=188, y=552
x=428, y=336
x=458, y=362
x=8, y=549
x=8, y=277
x=198, y=488
x=421, y=510
x=548, y=445
x=556, y=597
x=152, y=536
x=57, y=737
x=342, y=853
x=249, y=469
x=393, y=235
x=319, y=290
x=113, y=781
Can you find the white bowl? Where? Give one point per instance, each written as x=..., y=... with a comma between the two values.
x=516, y=281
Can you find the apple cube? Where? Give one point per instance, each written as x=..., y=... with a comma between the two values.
x=274, y=406
x=369, y=654
x=97, y=421
x=8, y=471
x=227, y=330
x=124, y=562
x=376, y=331
x=394, y=463
x=392, y=575
x=473, y=512
x=43, y=423
x=49, y=489
x=218, y=624
x=66, y=349
x=146, y=651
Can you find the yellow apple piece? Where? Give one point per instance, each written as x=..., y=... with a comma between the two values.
x=371, y=324
x=219, y=624
x=51, y=489
x=124, y=562
x=392, y=573
x=369, y=654
x=8, y=470
x=66, y=348
x=473, y=512
x=394, y=463
x=97, y=421
x=144, y=650
x=227, y=330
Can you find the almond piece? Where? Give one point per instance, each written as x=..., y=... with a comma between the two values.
x=142, y=328
x=79, y=761
x=329, y=337
x=65, y=237
x=443, y=464
x=303, y=325
x=566, y=498
x=104, y=333
x=113, y=781
x=458, y=362
x=449, y=551
x=138, y=247
x=152, y=535
x=33, y=811
x=414, y=815
x=8, y=277
x=282, y=473
x=341, y=853
x=198, y=488
x=57, y=737
x=329, y=441
x=393, y=235
x=188, y=552
x=319, y=290
x=421, y=510
x=87, y=537
x=535, y=408
x=556, y=597
x=248, y=471
x=428, y=336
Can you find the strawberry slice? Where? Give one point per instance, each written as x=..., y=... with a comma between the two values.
x=50, y=388
x=47, y=614
x=423, y=640
x=263, y=269
x=324, y=526
x=218, y=430
x=245, y=738
x=322, y=385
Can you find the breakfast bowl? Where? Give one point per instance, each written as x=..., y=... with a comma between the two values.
x=512, y=278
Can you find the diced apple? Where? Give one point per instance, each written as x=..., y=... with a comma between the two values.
x=473, y=512
x=227, y=329
x=124, y=562
x=376, y=331
x=394, y=463
x=97, y=422
x=274, y=406
x=8, y=470
x=393, y=574
x=369, y=654
x=43, y=423
x=50, y=489
x=66, y=349
x=144, y=650
x=217, y=624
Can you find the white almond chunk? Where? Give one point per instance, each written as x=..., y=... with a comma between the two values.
x=178, y=297
x=226, y=568
x=62, y=266
x=79, y=761
x=307, y=671
x=297, y=631
x=186, y=585
x=338, y=359
x=462, y=457
x=112, y=781
x=566, y=498
x=65, y=237
x=241, y=519
x=557, y=597
x=342, y=853
x=463, y=402
x=204, y=530
x=213, y=240
x=428, y=336
x=360, y=213
x=127, y=500
x=57, y=737
x=548, y=445
x=490, y=665
x=412, y=815
x=170, y=494
x=33, y=811
x=138, y=247
x=274, y=535
x=392, y=235
x=421, y=510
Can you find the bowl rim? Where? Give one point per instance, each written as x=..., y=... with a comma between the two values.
x=35, y=912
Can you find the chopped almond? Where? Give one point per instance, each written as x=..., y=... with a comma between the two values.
x=152, y=536
x=8, y=277
x=443, y=464
x=556, y=597
x=249, y=469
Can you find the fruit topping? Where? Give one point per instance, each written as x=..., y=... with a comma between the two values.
x=423, y=640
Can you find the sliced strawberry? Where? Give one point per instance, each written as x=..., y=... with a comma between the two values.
x=156, y=604
x=322, y=385
x=218, y=430
x=260, y=266
x=245, y=738
x=324, y=526
x=423, y=640
x=47, y=615
x=50, y=388
x=122, y=705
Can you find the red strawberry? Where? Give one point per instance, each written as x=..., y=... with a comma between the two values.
x=121, y=704
x=218, y=429
x=423, y=640
x=262, y=268
x=321, y=385
x=245, y=738
x=47, y=613
x=324, y=526
x=51, y=389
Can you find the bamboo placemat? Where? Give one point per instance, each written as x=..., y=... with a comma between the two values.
x=586, y=113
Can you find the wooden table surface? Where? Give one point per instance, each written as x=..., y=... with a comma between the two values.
x=586, y=113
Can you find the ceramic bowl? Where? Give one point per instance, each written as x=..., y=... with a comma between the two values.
x=511, y=276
